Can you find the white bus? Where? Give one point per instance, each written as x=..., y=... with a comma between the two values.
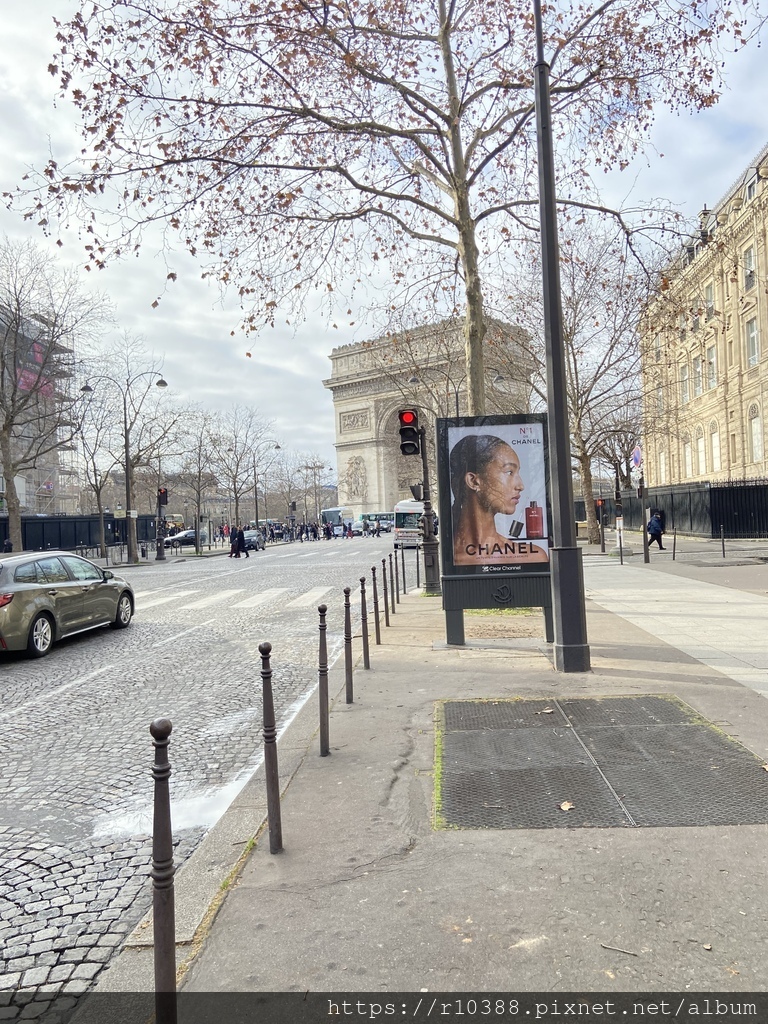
x=407, y=525
x=338, y=517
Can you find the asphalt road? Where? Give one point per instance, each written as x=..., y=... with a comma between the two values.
x=75, y=749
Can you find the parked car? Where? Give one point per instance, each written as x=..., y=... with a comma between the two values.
x=254, y=540
x=45, y=596
x=185, y=537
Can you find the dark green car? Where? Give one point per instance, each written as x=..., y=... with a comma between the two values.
x=47, y=595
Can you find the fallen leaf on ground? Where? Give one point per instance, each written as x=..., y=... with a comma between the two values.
x=707, y=946
x=732, y=971
x=763, y=766
x=566, y=805
x=549, y=711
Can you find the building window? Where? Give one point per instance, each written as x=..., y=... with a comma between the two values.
x=711, y=367
x=753, y=347
x=714, y=446
x=681, y=326
x=684, y=391
x=694, y=315
x=662, y=467
x=755, y=434
x=657, y=348
x=659, y=399
x=701, y=454
x=733, y=449
x=749, y=268
x=751, y=190
x=697, y=388
x=688, y=458
x=709, y=301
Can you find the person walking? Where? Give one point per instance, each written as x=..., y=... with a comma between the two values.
x=241, y=548
x=7, y=546
x=655, y=531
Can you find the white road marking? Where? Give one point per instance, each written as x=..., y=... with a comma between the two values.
x=143, y=605
x=178, y=636
x=205, y=602
x=54, y=693
x=310, y=598
x=273, y=594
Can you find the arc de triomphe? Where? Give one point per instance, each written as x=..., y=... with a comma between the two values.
x=371, y=380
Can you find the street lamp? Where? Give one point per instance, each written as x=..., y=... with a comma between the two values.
x=314, y=468
x=256, y=482
x=125, y=390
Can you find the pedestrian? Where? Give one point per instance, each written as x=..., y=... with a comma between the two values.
x=378, y=528
x=655, y=530
x=366, y=527
x=7, y=546
x=241, y=548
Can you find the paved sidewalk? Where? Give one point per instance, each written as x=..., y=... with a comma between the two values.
x=369, y=896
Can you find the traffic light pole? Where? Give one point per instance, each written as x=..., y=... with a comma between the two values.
x=430, y=543
x=643, y=495
x=159, y=538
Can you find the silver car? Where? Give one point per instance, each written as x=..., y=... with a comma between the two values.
x=45, y=596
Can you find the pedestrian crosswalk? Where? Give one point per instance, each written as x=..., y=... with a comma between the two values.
x=232, y=597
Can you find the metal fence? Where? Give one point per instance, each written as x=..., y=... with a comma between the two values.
x=72, y=533
x=699, y=509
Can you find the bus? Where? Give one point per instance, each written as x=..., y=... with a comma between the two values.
x=384, y=518
x=407, y=523
x=338, y=517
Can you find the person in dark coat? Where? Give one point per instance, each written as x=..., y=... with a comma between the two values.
x=7, y=546
x=655, y=531
x=241, y=548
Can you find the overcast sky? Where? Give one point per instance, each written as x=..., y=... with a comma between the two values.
x=702, y=157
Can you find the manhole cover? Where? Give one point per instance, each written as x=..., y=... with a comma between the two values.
x=647, y=760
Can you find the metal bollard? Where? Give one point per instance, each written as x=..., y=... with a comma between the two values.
x=418, y=580
x=674, y=544
x=376, y=605
x=621, y=550
x=364, y=625
x=322, y=686
x=722, y=538
x=397, y=579
x=392, y=585
x=402, y=566
x=348, y=646
x=384, y=588
x=270, y=752
x=163, y=903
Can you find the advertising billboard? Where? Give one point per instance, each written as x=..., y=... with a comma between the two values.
x=493, y=476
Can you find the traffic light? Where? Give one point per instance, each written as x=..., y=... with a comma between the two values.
x=410, y=438
x=162, y=495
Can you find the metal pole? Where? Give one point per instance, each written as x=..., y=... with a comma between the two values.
x=397, y=578
x=322, y=688
x=270, y=752
x=402, y=566
x=571, y=650
x=376, y=605
x=722, y=538
x=163, y=907
x=430, y=546
x=644, y=502
x=602, y=530
x=159, y=538
x=384, y=588
x=418, y=580
x=364, y=625
x=674, y=543
x=621, y=549
x=392, y=584
x=348, y=647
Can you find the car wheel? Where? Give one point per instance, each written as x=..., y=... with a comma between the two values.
x=124, y=612
x=40, y=636
x=175, y=544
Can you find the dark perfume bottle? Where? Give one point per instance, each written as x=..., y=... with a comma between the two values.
x=534, y=522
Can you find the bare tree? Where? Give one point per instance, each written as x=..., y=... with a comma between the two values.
x=238, y=436
x=196, y=473
x=44, y=314
x=602, y=295
x=302, y=145
x=98, y=436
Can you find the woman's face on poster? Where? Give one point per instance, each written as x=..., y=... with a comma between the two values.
x=499, y=486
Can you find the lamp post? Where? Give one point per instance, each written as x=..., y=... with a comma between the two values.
x=125, y=389
x=314, y=468
x=256, y=483
x=571, y=649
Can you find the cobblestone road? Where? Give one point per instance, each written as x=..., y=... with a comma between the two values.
x=75, y=750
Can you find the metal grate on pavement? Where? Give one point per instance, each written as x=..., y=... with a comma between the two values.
x=611, y=762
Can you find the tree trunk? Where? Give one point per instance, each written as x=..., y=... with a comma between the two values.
x=102, y=531
x=587, y=490
x=11, y=497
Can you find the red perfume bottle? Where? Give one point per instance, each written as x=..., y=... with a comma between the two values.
x=534, y=522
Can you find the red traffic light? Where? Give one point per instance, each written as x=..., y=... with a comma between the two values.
x=410, y=439
x=408, y=417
